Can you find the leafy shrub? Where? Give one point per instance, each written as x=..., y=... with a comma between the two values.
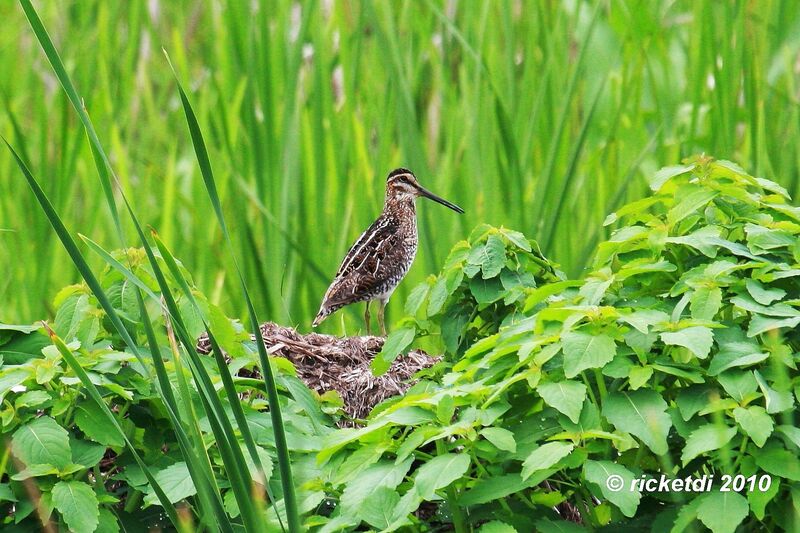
x=675, y=355
x=67, y=454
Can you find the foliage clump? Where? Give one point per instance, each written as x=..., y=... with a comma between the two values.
x=676, y=355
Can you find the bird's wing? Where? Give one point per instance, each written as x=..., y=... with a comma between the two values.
x=364, y=267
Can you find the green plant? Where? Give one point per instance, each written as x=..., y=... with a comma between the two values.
x=675, y=355
x=69, y=462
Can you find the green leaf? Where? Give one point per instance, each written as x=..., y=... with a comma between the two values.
x=760, y=324
x=440, y=472
x=416, y=297
x=690, y=203
x=705, y=439
x=85, y=453
x=486, y=291
x=491, y=257
x=495, y=526
x=395, y=343
x=776, y=401
x=383, y=474
x=492, y=488
x=42, y=441
x=176, y=483
x=437, y=297
x=643, y=414
x=667, y=173
x=755, y=421
x=108, y=522
x=565, y=396
x=378, y=507
x=779, y=462
x=544, y=457
x=543, y=525
x=722, y=512
x=736, y=354
x=77, y=503
x=585, y=350
x=92, y=421
x=599, y=472
x=503, y=439
x=697, y=339
x=763, y=295
x=705, y=302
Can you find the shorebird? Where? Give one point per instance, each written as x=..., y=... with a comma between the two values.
x=382, y=255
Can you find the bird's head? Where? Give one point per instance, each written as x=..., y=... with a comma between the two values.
x=402, y=184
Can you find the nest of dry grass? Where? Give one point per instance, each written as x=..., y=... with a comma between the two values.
x=326, y=362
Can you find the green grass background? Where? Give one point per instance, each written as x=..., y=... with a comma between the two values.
x=539, y=115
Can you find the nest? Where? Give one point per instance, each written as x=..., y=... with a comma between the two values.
x=326, y=362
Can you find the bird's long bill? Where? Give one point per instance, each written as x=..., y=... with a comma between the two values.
x=428, y=194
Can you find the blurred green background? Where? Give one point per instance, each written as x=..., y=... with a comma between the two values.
x=538, y=115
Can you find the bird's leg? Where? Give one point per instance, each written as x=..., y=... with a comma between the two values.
x=366, y=316
x=380, y=316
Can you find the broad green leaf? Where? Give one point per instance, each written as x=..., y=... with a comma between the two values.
x=689, y=203
x=77, y=503
x=492, y=488
x=758, y=499
x=42, y=441
x=440, y=472
x=722, y=512
x=437, y=297
x=108, y=522
x=705, y=439
x=378, y=507
x=791, y=432
x=643, y=414
x=639, y=376
x=176, y=483
x=761, y=324
x=543, y=525
x=763, y=295
x=516, y=238
x=10, y=378
x=705, y=302
x=486, y=291
x=416, y=297
x=667, y=173
x=545, y=456
x=493, y=257
x=565, y=396
x=779, y=462
x=397, y=341
x=776, y=401
x=503, y=439
x=599, y=473
x=496, y=526
x=755, y=421
x=697, y=339
x=86, y=453
x=584, y=350
x=739, y=384
x=92, y=421
x=383, y=474
x=736, y=354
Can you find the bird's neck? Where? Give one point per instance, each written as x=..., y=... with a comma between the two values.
x=402, y=205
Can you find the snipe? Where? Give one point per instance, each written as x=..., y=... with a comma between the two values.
x=382, y=255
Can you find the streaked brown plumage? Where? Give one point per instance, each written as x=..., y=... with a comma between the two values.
x=382, y=255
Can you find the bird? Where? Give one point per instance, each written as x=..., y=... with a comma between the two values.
x=382, y=255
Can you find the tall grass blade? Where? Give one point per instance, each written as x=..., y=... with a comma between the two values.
x=282, y=449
